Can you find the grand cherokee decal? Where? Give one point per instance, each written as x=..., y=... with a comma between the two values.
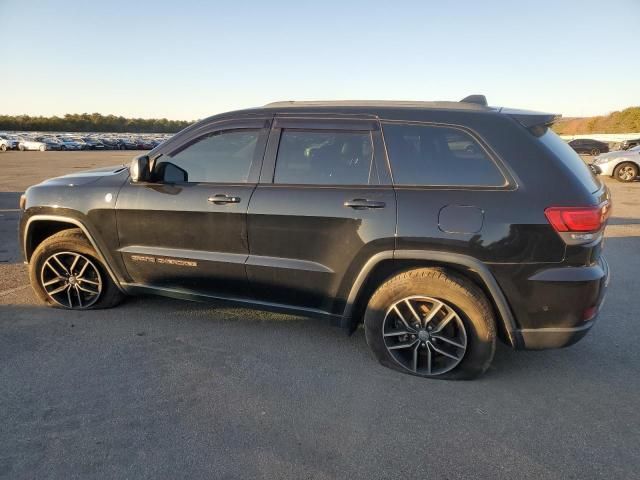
x=164, y=260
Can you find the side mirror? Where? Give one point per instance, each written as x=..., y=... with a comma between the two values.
x=139, y=169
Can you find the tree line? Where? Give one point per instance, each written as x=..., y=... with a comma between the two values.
x=91, y=122
x=625, y=121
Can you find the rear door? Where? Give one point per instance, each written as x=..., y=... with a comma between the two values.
x=323, y=206
x=187, y=228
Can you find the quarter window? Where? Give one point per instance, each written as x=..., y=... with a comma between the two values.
x=433, y=155
x=324, y=157
x=220, y=157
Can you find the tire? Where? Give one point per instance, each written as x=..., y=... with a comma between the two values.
x=42, y=148
x=3, y=147
x=471, y=325
x=63, y=147
x=595, y=152
x=64, y=246
x=21, y=148
x=626, y=172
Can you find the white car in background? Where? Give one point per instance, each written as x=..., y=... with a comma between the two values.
x=28, y=144
x=7, y=143
x=623, y=165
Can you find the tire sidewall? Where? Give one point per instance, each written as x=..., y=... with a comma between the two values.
x=470, y=304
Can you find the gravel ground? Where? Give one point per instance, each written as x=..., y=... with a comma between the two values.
x=171, y=389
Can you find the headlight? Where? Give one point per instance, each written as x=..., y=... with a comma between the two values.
x=601, y=160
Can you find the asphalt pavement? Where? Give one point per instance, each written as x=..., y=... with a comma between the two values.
x=160, y=388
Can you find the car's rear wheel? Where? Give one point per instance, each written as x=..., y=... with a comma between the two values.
x=431, y=323
x=626, y=172
x=65, y=272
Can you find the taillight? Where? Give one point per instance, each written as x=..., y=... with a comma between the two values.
x=578, y=219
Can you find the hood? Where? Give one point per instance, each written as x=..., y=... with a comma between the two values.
x=617, y=153
x=84, y=177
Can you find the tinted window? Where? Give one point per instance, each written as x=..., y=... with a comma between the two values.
x=224, y=157
x=568, y=156
x=429, y=155
x=324, y=157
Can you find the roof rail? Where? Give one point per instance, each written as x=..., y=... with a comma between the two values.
x=477, y=99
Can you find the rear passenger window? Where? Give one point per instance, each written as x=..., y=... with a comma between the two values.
x=324, y=157
x=432, y=155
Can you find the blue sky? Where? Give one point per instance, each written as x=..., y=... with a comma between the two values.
x=190, y=59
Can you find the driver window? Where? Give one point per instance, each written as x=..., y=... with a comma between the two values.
x=219, y=157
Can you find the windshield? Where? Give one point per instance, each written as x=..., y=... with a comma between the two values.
x=635, y=149
x=570, y=158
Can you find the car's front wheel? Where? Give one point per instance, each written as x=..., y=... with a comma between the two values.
x=626, y=172
x=595, y=152
x=431, y=323
x=65, y=272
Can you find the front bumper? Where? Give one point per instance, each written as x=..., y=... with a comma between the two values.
x=592, y=281
x=605, y=169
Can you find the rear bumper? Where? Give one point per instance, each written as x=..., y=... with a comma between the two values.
x=583, y=290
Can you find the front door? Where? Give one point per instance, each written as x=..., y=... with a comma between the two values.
x=323, y=206
x=186, y=229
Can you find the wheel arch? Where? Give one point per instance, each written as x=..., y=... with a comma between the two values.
x=386, y=264
x=625, y=160
x=40, y=227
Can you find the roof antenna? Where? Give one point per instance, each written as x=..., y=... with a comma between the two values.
x=477, y=99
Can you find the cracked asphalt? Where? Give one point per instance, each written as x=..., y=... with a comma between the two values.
x=161, y=388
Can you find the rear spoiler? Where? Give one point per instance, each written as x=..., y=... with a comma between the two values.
x=530, y=119
x=526, y=118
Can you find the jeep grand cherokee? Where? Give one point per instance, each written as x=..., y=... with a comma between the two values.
x=442, y=226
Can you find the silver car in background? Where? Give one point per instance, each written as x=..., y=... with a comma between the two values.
x=30, y=144
x=623, y=165
x=8, y=143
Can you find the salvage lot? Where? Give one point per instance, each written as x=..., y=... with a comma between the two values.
x=160, y=387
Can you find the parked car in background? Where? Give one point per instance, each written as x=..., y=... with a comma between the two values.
x=112, y=143
x=31, y=144
x=589, y=146
x=627, y=144
x=8, y=143
x=623, y=165
x=68, y=144
x=50, y=142
x=129, y=143
x=93, y=143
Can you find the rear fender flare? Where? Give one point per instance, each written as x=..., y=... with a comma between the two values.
x=454, y=259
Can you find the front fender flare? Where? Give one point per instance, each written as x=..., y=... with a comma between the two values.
x=100, y=250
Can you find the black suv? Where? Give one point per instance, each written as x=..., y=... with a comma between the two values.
x=442, y=226
x=589, y=146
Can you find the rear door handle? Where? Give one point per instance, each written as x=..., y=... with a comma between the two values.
x=363, y=203
x=222, y=199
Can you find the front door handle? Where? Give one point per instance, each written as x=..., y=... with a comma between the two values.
x=222, y=199
x=363, y=203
